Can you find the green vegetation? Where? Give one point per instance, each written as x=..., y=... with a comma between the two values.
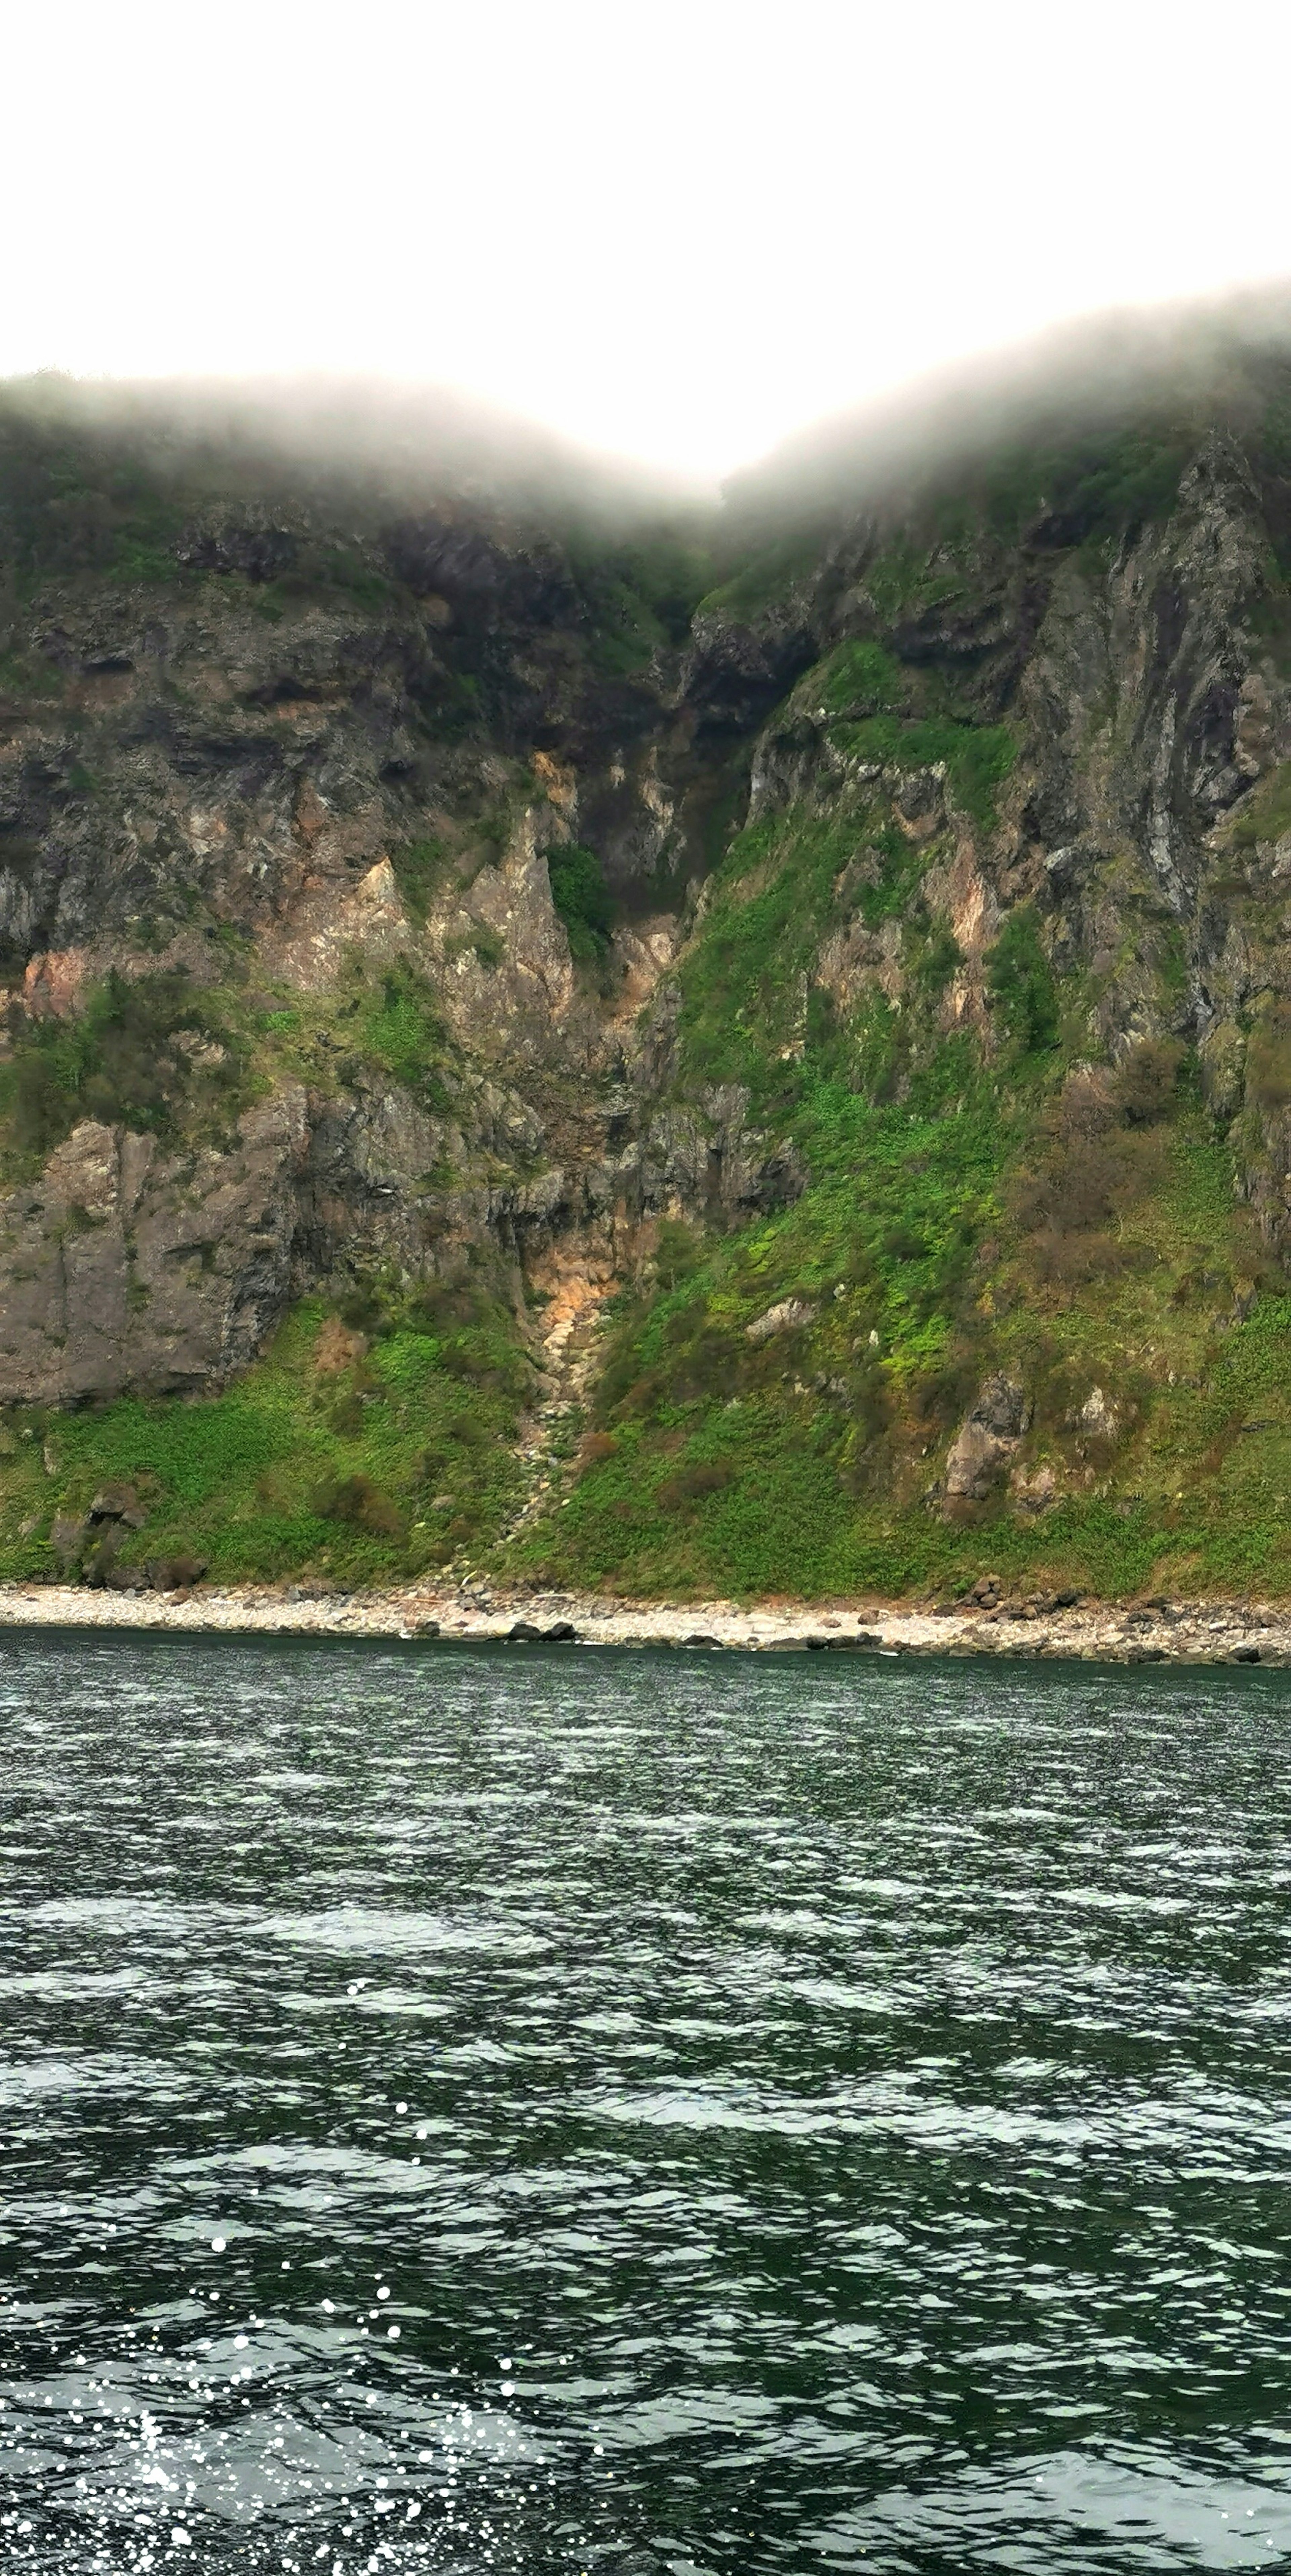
x=770, y=574
x=75, y=499
x=421, y=868
x=977, y=758
x=1088, y=1244
x=862, y=678
x=1264, y=815
x=324, y=572
x=399, y=1028
x=750, y=995
x=29, y=675
x=1090, y=488
x=582, y=899
x=359, y=1451
x=638, y=599
x=910, y=1166
x=908, y=579
x=1021, y=985
x=158, y=1054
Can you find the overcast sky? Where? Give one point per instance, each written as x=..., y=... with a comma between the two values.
x=677, y=230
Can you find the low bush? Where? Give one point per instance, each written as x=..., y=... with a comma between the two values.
x=1147, y=1081
x=356, y=1500
x=153, y=1054
x=582, y=900
x=1268, y=1060
x=694, y=1485
x=1021, y=985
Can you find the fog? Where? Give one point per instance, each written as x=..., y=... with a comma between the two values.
x=373, y=444
x=1168, y=365
x=372, y=448
x=677, y=233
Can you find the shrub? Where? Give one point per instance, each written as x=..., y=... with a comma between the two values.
x=977, y=758
x=1074, y=1191
x=679, y=1252
x=1265, y=814
x=677, y=1493
x=142, y=1054
x=1148, y=1080
x=356, y=1501
x=420, y=868
x=1268, y=1060
x=1020, y=982
x=402, y=1030
x=863, y=679
x=435, y=1308
x=582, y=899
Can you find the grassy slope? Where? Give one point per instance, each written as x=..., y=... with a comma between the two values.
x=379, y=1462
x=958, y=1221
x=790, y=1484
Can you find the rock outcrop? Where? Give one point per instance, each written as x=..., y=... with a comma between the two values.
x=302, y=789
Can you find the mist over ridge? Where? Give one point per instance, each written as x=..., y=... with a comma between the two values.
x=1189, y=363
x=382, y=443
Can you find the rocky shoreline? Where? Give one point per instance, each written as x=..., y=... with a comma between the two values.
x=1139, y=1632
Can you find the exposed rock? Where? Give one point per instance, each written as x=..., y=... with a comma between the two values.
x=121, y=1503
x=100, y=1558
x=67, y=1537
x=1033, y=1493
x=130, y=1269
x=1099, y=1416
x=788, y=1317
x=986, y=1441
x=175, y=1573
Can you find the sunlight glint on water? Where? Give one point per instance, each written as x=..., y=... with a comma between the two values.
x=466, y=2110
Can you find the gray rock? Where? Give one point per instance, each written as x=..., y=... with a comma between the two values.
x=986, y=1441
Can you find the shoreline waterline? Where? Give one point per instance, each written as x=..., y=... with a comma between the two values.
x=1177, y=1632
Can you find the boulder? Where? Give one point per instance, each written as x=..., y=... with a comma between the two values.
x=101, y=1556
x=118, y=1503
x=67, y=1537
x=986, y=1440
x=788, y=1317
x=175, y=1573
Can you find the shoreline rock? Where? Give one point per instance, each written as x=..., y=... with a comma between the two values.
x=1179, y=1632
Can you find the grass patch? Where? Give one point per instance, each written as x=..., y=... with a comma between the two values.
x=421, y=869
x=399, y=1028
x=770, y=575
x=977, y=758
x=378, y=1470
x=1264, y=815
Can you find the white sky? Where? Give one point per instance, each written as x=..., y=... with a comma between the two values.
x=677, y=230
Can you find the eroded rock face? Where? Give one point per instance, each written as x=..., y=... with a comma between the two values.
x=228, y=762
x=986, y=1441
x=127, y=1269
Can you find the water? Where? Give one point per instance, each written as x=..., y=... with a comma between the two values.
x=481, y=2111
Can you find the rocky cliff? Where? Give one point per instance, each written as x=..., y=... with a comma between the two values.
x=746, y=1049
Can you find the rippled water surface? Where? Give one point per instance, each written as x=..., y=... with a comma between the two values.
x=586, y=2111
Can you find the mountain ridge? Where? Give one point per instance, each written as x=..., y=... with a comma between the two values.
x=674, y=1050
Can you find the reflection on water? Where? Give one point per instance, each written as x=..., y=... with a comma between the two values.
x=659, y=2114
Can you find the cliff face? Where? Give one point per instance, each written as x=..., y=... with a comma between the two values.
x=857, y=945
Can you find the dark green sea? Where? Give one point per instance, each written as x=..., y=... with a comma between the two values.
x=550, y=2111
